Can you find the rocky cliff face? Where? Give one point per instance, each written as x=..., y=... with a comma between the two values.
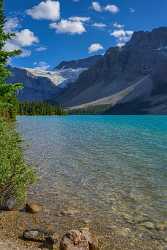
x=81, y=63
x=130, y=80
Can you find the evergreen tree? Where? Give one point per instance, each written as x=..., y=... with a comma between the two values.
x=7, y=91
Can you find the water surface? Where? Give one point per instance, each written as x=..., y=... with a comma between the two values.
x=106, y=166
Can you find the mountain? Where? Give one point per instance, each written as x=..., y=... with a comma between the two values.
x=42, y=85
x=127, y=80
x=36, y=88
x=81, y=63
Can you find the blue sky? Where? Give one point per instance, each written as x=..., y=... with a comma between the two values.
x=50, y=31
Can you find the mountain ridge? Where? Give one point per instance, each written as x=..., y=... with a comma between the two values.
x=145, y=54
x=111, y=81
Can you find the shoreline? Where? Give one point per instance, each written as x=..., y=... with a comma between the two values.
x=14, y=223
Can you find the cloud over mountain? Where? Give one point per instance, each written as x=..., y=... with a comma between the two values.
x=95, y=47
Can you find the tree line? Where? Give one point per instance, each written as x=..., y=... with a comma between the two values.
x=39, y=108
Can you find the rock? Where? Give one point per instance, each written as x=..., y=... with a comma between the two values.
x=33, y=208
x=92, y=240
x=35, y=235
x=124, y=232
x=161, y=227
x=53, y=238
x=149, y=225
x=165, y=239
x=69, y=212
x=9, y=204
x=128, y=218
x=79, y=240
x=40, y=235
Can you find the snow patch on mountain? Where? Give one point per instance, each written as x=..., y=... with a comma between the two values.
x=60, y=78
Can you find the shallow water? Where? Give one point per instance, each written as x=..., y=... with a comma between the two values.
x=108, y=166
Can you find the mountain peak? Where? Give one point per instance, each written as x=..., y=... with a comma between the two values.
x=81, y=63
x=149, y=39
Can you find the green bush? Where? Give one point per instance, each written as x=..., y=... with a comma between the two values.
x=15, y=174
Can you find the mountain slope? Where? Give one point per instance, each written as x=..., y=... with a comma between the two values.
x=42, y=85
x=81, y=63
x=118, y=71
x=36, y=88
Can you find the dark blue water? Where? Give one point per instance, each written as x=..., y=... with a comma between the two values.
x=104, y=164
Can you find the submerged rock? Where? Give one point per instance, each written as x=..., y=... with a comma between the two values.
x=161, y=226
x=149, y=225
x=69, y=212
x=79, y=240
x=33, y=208
x=124, y=232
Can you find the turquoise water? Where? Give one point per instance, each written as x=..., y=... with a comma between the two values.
x=109, y=166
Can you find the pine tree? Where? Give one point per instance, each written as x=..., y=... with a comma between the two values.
x=7, y=91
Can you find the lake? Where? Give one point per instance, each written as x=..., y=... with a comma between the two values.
x=110, y=170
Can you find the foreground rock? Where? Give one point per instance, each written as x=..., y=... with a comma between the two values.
x=79, y=240
x=39, y=235
x=33, y=208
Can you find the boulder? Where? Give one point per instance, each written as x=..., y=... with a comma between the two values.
x=79, y=240
x=33, y=208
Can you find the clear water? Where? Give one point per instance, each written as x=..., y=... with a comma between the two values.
x=109, y=166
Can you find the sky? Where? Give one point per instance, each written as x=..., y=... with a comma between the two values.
x=51, y=31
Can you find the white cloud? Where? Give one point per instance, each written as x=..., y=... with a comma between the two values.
x=111, y=8
x=118, y=26
x=79, y=19
x=40, y=49
x=69, y=27
x=49, y=10
x=96, y=6
x=120, y=45
x=10, y=46
x=24, y=38
x=122, y=36
x=42, y=65
x=95, y=47
x=99, y=25
x=11, y=24
x=25, y=53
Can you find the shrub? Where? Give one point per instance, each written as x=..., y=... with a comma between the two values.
x=15, y=174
